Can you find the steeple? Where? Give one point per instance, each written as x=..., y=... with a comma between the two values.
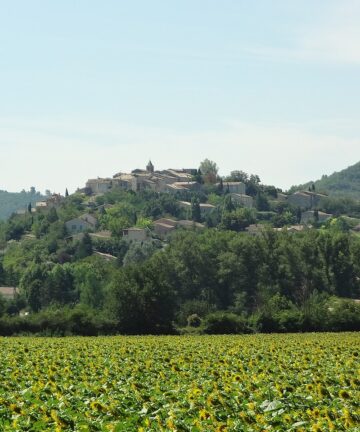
x=150, y=167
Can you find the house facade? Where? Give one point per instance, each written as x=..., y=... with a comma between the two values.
x=305, y=199
x=135, y=234
x=86, y=222
x=99, y=185
x=162, y=230
x=310, y=216
x=204, y=208
x=234, y=187
x=243, y=200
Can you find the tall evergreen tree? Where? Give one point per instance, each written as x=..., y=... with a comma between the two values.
x=195, y=210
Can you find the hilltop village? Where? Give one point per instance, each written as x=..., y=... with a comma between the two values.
x=155, y=251
x=201, y=200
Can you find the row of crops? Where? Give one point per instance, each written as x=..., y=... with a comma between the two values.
x=306, y=382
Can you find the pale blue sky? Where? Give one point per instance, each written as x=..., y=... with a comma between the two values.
x=90, y=88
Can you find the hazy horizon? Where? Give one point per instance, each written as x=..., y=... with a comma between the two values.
x=90, y=89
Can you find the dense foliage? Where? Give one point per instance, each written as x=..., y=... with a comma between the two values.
x=214, y=280
x=215, y=383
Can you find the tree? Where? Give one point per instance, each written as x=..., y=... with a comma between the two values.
x=316, y=216
x=238, y=176
x=195, y=210
x=52, y=216
x=238, y=219
x=253, y=185
x=198, y=176
x=209, y=171
x=228, y=204
x=84, y=247
x=66, y=192
x=32, y=284
x=89, y=281
x=60, y=285
x=140, y=252
x=143, y=222
x=221, y=186
x=261, y=202
x=29, y=207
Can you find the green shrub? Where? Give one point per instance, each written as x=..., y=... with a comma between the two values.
x=223, y=322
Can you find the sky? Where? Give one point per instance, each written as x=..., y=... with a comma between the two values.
x=90, y=88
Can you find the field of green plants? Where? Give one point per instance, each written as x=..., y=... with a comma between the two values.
x=308, y=382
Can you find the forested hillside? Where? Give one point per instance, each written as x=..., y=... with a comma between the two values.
x=213, y=278
x=345, y=183
x=12, y=201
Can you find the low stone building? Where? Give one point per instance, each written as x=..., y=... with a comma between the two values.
x=86, y=222
x=243, y=200
x=233, y=187
x=99, y=185
x=163, y=227
x=204, y=208
x=305, y=199
x=135, y=234
x=312, y=216
x=41, y=205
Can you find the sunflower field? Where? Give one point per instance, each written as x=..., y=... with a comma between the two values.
x=307, y=382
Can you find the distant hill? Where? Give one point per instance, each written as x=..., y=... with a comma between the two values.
x=345, y=183
x=12, y=201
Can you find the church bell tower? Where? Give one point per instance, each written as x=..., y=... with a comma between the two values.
x=150, y=167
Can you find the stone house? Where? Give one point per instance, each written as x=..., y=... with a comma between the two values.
x=135, y=234
x=233, y=187
x=53, y=200
x=86, y=222
x=99, y=185
x=40, y=205
x=242, y=199
x=305, y=199
x=204, y=208
x=163, y=227
x=309, y=216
